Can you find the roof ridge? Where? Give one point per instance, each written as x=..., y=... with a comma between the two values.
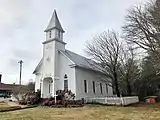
x=78, y=54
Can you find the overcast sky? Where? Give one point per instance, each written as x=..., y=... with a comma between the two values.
x=22, y=23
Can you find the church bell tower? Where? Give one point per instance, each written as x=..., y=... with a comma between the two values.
x=51, y=47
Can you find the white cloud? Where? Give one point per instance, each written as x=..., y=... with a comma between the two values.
x=12, y=12
x=22, y=23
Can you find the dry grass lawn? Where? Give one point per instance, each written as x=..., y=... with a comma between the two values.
x=3, y=104
x=138, y=112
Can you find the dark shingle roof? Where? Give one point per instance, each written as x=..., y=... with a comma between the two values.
x=9, y=87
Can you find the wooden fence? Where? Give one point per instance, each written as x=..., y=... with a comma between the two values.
x=114, y=100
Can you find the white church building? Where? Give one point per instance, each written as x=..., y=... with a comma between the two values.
x=62, y=69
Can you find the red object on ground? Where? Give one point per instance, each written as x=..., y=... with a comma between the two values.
x=151, y=99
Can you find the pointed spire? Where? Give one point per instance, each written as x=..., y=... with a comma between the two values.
x=54, y=23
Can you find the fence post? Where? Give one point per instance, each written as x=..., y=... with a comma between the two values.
x=106, y=100
x=122, y=100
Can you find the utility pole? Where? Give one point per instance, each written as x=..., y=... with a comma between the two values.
x=20, y=75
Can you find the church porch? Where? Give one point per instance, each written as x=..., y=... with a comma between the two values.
x=47, y=88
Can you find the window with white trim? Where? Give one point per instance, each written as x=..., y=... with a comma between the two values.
x=65, y=84
x=40, y=86
x=49, y=87
x=85, y=86
x=59, y=34
x=106, y=88
x=101, y=88
x=94, y=90
x=50, y=34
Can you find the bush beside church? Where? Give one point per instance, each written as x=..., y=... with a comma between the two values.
x=65, y=98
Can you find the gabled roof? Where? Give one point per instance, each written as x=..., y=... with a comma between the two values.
x=38, y=66
x=77, y=60
x=82, y=61
x=54, y=23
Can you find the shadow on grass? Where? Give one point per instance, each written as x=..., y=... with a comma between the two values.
x=143, y=104
x=140, y=104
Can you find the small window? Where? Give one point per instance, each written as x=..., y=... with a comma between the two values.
x=94, y=90
x=40, y=86
x=85, y=86
x=65, y=84
x=49, y=88
x=106, y=88
x=59, y=34
x=50, y=34
x=101, y=88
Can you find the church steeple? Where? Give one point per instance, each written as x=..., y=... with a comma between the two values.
x=54, y=29
x=54, y=23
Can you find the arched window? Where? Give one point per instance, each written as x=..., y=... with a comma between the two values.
x=65, y=76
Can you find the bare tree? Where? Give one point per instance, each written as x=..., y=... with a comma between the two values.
x=19, y=91
x=105, y=50
x=129, y=71
x=142, y=28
